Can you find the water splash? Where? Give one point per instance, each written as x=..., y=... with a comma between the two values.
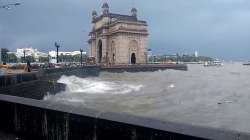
x=171, y=86
x=91, y=86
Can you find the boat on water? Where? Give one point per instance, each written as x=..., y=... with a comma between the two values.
x=246, y=63
x=213, y=63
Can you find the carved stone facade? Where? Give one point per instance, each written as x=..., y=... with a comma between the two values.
x=118, y=39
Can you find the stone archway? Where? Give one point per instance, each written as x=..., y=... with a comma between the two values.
x=99, y=53
x=133, y=51
x=113, y=52
x=133, y=58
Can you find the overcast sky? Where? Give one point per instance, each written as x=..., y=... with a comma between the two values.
x=216, y=28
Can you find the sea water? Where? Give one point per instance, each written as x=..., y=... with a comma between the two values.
x=213, y=96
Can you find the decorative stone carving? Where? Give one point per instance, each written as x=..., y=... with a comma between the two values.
x=118, y=39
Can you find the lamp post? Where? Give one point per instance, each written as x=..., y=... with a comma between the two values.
x=24, y=55
x=48, y=58
x=57, y=47
x=81, y=50
x=177, y=58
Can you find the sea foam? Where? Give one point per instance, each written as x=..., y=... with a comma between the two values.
x=91, y=86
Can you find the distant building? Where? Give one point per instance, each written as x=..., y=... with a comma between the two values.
x=30, y=52
x=196, y=54
x=52, y=55
x=118, y=39
x=149, y=54
x=4, y=56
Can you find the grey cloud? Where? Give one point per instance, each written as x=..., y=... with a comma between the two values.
x=218, y=28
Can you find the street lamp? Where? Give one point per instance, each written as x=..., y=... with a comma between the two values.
x=24, y=55
x=177, y=58
x=81, y=50
x=57, y=47
x=48, y=58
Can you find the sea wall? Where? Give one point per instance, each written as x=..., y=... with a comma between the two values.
x=56, y=73
x=144, y=67
x=31, y=119
x=12, y=79
x=47, y=74
x=85, y=71
x=35, y=89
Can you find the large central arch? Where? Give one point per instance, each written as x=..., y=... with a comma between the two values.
x=133, y=51
x=133, y=58
x=99, y=53
x=113, y=52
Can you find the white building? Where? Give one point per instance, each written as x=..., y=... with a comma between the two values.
x=30, y=52
x=196, y=54
x=149, y=54
x=52, y=55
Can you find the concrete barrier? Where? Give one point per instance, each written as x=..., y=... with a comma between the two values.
x=56, y=73
x=85, y=71
x=11, y=79
x=144, y=67
x=48, y=75
x=41, y=120
x=36, y=89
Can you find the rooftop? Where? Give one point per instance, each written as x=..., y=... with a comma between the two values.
x=119, y=17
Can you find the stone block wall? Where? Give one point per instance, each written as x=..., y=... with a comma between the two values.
x=33, y=119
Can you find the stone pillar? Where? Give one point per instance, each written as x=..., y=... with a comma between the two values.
x=93, y=48
x=104, y=50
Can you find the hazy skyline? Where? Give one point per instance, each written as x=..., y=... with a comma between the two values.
x=216, y=28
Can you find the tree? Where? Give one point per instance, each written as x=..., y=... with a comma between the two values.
x=12, y=58
x=72, y=58
x=4, y=55
x=28, y=58
x=44, y=59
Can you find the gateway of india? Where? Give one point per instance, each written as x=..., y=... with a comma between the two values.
x=118, y=39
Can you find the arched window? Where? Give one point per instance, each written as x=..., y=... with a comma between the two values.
x=113, y=52
x=133, y=58
x=99, y=54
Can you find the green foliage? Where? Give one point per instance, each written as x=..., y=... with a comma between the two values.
x=12, y=58
x=44, y=59
x=4, y=55
x=28, y=58
x=69, y=58
x=183, y=58
x=205, y=58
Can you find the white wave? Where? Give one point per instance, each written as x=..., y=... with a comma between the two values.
x=90, y=86
x=171, y=86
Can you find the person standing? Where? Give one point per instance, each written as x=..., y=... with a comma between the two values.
x=28, y=66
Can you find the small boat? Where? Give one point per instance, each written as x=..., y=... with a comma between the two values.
x=246, y=63
x=213, y=63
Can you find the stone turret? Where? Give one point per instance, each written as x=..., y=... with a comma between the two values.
x=105, y=8
x=134, y=12
x=94, y=15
